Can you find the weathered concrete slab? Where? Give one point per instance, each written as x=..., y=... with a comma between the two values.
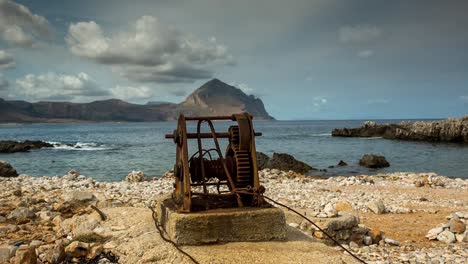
x=221, y=225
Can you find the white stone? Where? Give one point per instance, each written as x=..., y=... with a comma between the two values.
x=446, y=237
x=330, y=210
x=295, y=225
x=79, y=196
x=136, y=176
x=462, y=237
x=392, y=242
x=377, y=207
x=432, y=234
x=367, y=240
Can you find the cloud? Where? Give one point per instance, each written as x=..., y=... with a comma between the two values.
x=318, y=103
x=53, y=86
x=3, y=83
x=132, y=93
x=358, y=33
x=244, y=87
x=6, y=60
x=365, y=53
x=464, y=98
x=149, y=52
x=20, y=27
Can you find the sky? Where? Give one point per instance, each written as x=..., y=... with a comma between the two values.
x=306, y=59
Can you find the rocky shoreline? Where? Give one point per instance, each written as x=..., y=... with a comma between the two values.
x=449, y=130
x=383, y=218
x=9, y=146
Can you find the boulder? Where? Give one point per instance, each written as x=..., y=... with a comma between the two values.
x=373, y=161
x=367, y=240
x=330, y=210
x=7, y=252
x=462, y=237
x=433, y=233
x=26, y=255
x=446, y=237
x=77, y=249
x=376, y=235
x=6, y=170
x=377, y=207
x=78, y=197
x=345, y=221
x=17, y=146
x=343, y=206
x=136, y=176
x=262, y=160
x=286, y=162
x=342, y=163
x=457, y=226
x=22, y=215
x=56, y=254
x=392, y=242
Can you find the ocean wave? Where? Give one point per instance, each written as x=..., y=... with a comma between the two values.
x=369, y=138
x=78, y=146
x=321, y=135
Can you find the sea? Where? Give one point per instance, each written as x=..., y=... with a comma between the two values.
x=109, y=151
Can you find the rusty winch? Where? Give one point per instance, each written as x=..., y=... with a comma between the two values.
x=208, y=179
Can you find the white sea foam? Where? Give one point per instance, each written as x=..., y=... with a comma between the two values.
x=322, y=135
x=78, y=146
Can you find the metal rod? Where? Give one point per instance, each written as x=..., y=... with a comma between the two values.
x=208, y=184
x=200, y=155
x=209, y=118
x=214, y=194
x=209, y=135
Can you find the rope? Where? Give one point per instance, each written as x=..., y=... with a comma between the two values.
x=158, y=227
x=271, y=200
x=310, y=221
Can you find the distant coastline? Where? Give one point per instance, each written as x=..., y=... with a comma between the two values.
x=213, y=98
x=449, y=130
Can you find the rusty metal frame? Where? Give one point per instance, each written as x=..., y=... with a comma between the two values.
x=183, y=193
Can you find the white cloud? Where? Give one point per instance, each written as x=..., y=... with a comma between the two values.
x=365, y=53
x=6, y=60
x=53, y=86
x=20, y=27
x=3, y=83
x=464, y=98
x=132, y=92
x=318, y=103
x=358, y=33
x=244, y=87
x=150, y=52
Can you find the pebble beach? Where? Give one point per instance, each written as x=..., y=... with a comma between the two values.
x=383, y=218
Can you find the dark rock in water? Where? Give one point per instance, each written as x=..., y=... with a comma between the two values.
x=373, y=161
x=449, y=130
x=342, y=163
x=16, y=146
x=262, y=160
x=6, y=170
x=331, y=167
x=286, y=162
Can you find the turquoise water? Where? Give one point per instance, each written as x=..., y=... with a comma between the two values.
x=108, y=151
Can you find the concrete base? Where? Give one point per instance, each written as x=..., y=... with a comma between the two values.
x=221, y=225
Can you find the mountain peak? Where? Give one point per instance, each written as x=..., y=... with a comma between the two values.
x=219, y=98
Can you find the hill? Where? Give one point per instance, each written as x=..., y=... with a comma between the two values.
x=213, y=98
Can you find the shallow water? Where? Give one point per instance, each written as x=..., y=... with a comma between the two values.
x=108, y=151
